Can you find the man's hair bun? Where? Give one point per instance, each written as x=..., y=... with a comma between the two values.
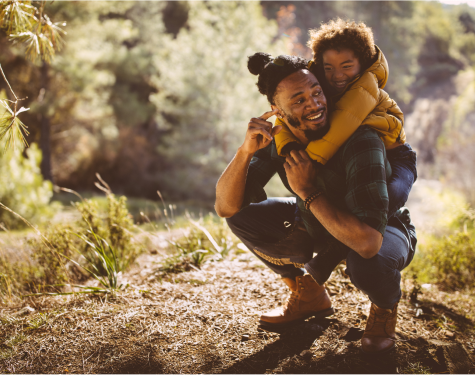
x=271, y=74
x=257, y=62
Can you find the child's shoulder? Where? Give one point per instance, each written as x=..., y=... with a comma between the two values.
x=379, y=69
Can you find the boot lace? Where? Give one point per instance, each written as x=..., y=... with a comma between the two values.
x=291, y=302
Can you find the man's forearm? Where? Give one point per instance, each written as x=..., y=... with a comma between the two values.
x=232, y=184
x=347, y=228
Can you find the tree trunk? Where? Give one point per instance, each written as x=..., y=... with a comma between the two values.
x=45, y=139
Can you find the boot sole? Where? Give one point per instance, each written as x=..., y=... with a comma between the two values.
x=318, y=315
x=369, y=354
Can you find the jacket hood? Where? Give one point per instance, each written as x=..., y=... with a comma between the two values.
x=380, y=68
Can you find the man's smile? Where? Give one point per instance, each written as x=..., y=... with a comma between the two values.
x=316, y=116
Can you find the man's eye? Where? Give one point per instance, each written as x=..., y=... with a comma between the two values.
x=300, y=101
x=317, y=93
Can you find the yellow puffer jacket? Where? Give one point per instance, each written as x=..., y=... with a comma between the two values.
x=362, y=103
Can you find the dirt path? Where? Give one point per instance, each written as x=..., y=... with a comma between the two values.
x=206, y=322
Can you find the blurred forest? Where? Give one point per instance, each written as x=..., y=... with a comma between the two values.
x=156, y=95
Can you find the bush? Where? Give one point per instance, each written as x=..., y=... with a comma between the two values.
x=23, y=189
x=207, y=239
x=115, y=226
x=448, y=260
x=48, y=261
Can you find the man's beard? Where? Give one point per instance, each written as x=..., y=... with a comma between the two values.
x=311, y=134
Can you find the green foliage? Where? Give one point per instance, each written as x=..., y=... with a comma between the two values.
x=448, y=258
x=101, y=254
x=206, y=94
x=448, y=261
x=111, y=234
x=206, y=240
x=101, y=246
x=23, y=189
x=50, y=257
x=30, y=26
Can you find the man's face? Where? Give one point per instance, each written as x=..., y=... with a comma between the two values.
x=303, y=105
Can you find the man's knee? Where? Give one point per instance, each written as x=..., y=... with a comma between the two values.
x=370, y=274
x=236, y=222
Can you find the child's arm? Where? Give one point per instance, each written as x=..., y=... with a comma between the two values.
x=284, y=138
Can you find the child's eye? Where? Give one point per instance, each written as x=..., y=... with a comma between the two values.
x=328, y=69
x=348, y=66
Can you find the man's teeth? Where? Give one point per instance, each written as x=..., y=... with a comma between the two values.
x=315, y=117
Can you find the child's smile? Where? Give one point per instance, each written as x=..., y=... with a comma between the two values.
x=340, y=66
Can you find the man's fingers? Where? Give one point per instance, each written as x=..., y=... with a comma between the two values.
x=304, y=155
x=295, y=155
x=290, y=161
x=259, y=121
x=260, y=131
x=269, y=114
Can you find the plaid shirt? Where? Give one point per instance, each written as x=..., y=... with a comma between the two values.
x=353, y=180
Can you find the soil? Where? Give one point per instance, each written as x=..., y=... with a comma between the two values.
x=206, y=321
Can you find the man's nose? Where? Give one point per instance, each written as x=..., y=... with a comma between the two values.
x=314, y=102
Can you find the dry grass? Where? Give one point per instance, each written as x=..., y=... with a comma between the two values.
x=206, y=322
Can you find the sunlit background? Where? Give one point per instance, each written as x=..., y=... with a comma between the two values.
x=156, y=96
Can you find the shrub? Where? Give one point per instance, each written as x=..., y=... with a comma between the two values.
x=207, y=239
x=115, y=226
x=23, y=189
x=61, y=254
x=448, y=261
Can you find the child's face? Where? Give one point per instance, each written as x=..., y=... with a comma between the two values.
x=340, y=67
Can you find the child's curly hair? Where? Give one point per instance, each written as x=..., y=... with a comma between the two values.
x=338, y=34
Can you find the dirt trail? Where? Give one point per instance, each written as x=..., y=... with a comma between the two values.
x=206, y=322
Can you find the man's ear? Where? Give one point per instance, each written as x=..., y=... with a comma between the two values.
x=279, y=114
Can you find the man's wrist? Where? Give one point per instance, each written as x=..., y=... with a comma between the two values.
x=241, y=152
x=305, y=193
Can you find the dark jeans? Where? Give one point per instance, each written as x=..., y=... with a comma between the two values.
x=404, y=174
x=274, y=233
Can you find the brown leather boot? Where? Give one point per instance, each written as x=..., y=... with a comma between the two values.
x=307, y=299
x=380, y=332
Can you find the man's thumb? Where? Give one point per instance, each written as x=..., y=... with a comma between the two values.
x=276, y=129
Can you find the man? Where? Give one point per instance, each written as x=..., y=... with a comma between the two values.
x=342, y=204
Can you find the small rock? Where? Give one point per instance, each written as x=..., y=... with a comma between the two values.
x=449, y=334
x=306, y=354
x=244, y=338
x=26, y=311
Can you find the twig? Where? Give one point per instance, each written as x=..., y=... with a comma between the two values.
x=6, y=80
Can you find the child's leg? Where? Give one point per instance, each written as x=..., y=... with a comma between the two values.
x=404, y=174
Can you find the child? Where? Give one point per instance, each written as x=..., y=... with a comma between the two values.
x=353, y=71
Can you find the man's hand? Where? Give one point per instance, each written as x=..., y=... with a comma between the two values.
x=259, y=133
x=301, y=173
